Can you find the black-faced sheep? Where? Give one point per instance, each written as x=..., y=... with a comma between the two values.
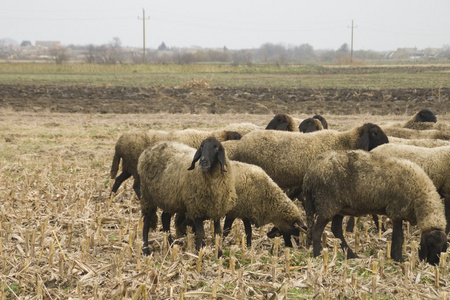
x=131, y=144
x=310, y=125
x=420, y=126
x=260, y=201
x=206, y=192
x=340, y=183
x=285, y=156
x=322, y=120
x=434, y=161
x=423, y=116
x=282, y=122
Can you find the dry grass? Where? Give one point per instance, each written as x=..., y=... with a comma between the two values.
x=62, y=236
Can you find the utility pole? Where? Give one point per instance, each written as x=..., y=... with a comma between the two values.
x=351, y=49
x=143, y=25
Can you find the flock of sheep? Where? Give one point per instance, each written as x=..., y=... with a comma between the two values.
x=251, y=173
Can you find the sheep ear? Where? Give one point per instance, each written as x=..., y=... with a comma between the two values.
x=363, y=141
x=221, y=158
x=197, y=156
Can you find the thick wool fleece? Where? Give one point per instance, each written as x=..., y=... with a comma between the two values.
x=434, y=161
x=285, y=156
x=166, y=183
x=358, y=183
x=261, y=200
x=427, y=143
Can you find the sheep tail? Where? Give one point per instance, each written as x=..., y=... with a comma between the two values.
x=115, y=165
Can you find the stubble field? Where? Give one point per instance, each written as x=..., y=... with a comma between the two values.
x=62, y=236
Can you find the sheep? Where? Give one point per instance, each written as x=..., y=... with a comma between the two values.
x=322, y=120
x=285, y=156
x=207, y=192
x=434, y=161
x=423, y=117
x=420, y=126
x=259, y=201
x=310, y=125
x=131, y=144
x=408, y=133
x=428, y=143
x=356, y=182
x=282, y=122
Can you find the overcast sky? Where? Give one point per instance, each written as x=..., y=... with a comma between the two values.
x=380, y=25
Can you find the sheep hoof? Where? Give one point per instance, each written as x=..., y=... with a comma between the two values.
x=146, y=251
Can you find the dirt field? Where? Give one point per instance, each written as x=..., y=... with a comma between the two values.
x=63, y=237
x=118, y=100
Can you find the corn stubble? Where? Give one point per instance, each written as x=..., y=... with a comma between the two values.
x=63, y=236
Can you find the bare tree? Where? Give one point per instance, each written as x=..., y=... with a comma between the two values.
x=59, y=54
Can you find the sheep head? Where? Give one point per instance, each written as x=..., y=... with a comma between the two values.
x=210, y=153
x=370, y=136
x=310, y=125
x=280, y=122
x=432, y=243
x=425, y=115
x=322, y=120
x=232, y=135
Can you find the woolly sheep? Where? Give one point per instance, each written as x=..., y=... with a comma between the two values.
x=428, y=143
x=282, y=122
x=322, y=120
x=261, y=201
x=131, y=144
x=420, y=126
x=310, y=125
x=434, y=161
x=356, y=182
x=423, y=117
x=285, y=156
x=206, y=192
x=408, y=133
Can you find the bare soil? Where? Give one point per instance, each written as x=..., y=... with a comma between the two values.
x=221, y=100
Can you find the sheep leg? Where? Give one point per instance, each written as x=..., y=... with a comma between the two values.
x=180, y=224
x=199, y=233
x=217, y=229
x=227, y=225
x=351, y=224
x=287, y=240
x=317, y=231
x=248, y=231
x=375, y=220
x=336, y=228
x=165, y=220
x=119, y=179
x=397, y=240
x=145, y=230
x=137, y=187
